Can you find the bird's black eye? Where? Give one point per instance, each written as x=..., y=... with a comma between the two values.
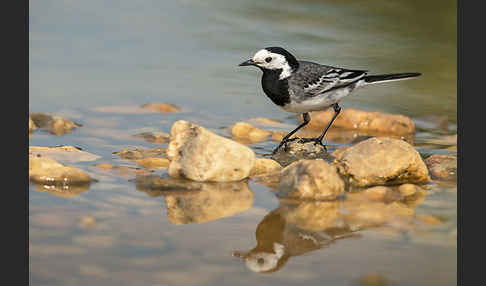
x=269, y=59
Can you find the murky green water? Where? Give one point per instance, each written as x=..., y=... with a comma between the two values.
x=86, y=54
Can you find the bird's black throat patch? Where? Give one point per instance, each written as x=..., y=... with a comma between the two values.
x=276, y=89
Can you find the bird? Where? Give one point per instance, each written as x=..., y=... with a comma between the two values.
x=299, y=86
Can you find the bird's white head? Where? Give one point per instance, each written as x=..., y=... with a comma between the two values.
x=276, y=59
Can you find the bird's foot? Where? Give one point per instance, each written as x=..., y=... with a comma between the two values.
x=284, y=143
x=317, y=141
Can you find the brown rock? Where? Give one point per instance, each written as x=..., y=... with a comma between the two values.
x=62, y=153
x=294, y=150
x=408, y=189
x=264, y=167
x=121, y=171
x=138, y=154
x=201, y=155
x=246, y=132
x=381, y=161
x=53, y=124
x=350, y=118
x=43, y=170
x=154, y=137
x=31, y=125
x=154, y=163
x=265, y=121
x=381, y=193
x=161, y=107
x=310, y=179
x=442, y=167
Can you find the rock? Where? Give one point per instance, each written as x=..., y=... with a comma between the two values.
x=310, y=179
x=381, y=161
x=246, y=132
x=87, y=222
x=373, y=279
x=154, y=137
x=407, y=189
x=141, y=153
x=31, y=125
x=63, y=153
x=381, y=193
x=264, y=167
x=442, y=167
x=265, y=121
x=213, y=201
x=156, y=186
x=294, y=151
x=121, y=171
x=53, y=124
x=200, y=155
x=350, y=118
x=43, y=170
x=161, y=107
x=154, y=163
x=277, y=135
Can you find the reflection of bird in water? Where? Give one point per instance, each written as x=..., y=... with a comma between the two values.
x=277, y=241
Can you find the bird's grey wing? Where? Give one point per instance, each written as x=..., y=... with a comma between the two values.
x=314, y=79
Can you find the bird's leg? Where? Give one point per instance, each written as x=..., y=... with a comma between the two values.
x=286, y=139
x=318, y=140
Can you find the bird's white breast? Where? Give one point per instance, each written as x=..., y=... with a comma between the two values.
x=319, y=102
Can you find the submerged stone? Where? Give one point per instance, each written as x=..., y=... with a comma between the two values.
x=53, y=124
x=161, y=107
x=442, y=167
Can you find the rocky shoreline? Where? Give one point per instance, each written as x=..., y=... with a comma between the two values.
x=382, y=166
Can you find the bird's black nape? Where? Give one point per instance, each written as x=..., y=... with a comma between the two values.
x=293, y=63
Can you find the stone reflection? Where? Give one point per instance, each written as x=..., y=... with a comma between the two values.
x=195, y=202
x=299, y=227
x=63, y=191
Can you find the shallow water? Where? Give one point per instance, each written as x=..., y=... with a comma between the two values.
x=85, y=56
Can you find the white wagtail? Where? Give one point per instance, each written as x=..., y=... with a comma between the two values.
x=303, y=86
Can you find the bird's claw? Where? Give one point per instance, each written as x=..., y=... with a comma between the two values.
x=317, y=141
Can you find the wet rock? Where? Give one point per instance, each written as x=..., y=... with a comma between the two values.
x=381, y=193
x=154, y=163
x=350, y=118
x=294, y=151
x=121, y=171
x=442, y=167
x=373, y=279
x=408, y=189
x=161, y=107
x=154, y=137
x=277, y=136
x=53, y=124
x=247, y=133
x=63, y=153
x=138, y=154
x=31, y=125
x=213, y=201
x=156, y=186
x=265, y=121
x=264, y=167
x=201, y=155
x=43, y=170
x=381, y=161
x=310, y=179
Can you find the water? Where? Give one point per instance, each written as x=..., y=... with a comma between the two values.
x=85, y=55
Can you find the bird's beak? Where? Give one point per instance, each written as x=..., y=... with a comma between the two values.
x=249, y=62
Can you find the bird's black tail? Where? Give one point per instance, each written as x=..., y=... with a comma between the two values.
x=371, y=79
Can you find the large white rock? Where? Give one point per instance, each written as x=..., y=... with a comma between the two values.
x=200, y=155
